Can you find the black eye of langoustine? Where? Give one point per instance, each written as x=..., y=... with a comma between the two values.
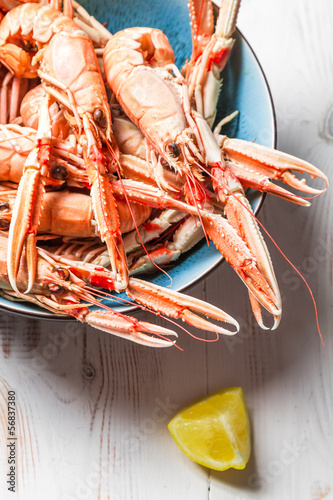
x=99, y=117
x=29, y=46
x=173, y=149
x=63, y=273
x=4, y=224
x=4, y=206
x=59, y=172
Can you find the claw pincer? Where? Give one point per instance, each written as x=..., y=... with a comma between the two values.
x=179, y=306
x=255, y=165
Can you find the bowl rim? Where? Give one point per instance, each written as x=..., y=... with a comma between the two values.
x=43, y=314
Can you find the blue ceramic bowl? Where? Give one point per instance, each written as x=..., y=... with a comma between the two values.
x=244, y=88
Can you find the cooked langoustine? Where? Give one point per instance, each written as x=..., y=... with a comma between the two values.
x=67, y=286
x=140, y=71
x=68, y=67
x=138, y=64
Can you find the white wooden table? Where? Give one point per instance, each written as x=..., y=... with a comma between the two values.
x=93, y=409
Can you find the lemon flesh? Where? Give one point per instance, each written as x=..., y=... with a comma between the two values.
x=215, y=431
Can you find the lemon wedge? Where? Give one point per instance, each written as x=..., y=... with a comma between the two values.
x=215, y=431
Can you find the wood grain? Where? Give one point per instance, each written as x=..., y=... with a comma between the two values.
x=93, y=409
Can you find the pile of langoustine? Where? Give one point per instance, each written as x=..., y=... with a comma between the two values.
x=81, y=110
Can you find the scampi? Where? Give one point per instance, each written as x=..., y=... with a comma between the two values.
x=144, y=150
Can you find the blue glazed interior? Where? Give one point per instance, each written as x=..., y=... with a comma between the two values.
x=244, y=89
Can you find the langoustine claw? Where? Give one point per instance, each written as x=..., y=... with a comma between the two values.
x=180, y=306
x=255, y=165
